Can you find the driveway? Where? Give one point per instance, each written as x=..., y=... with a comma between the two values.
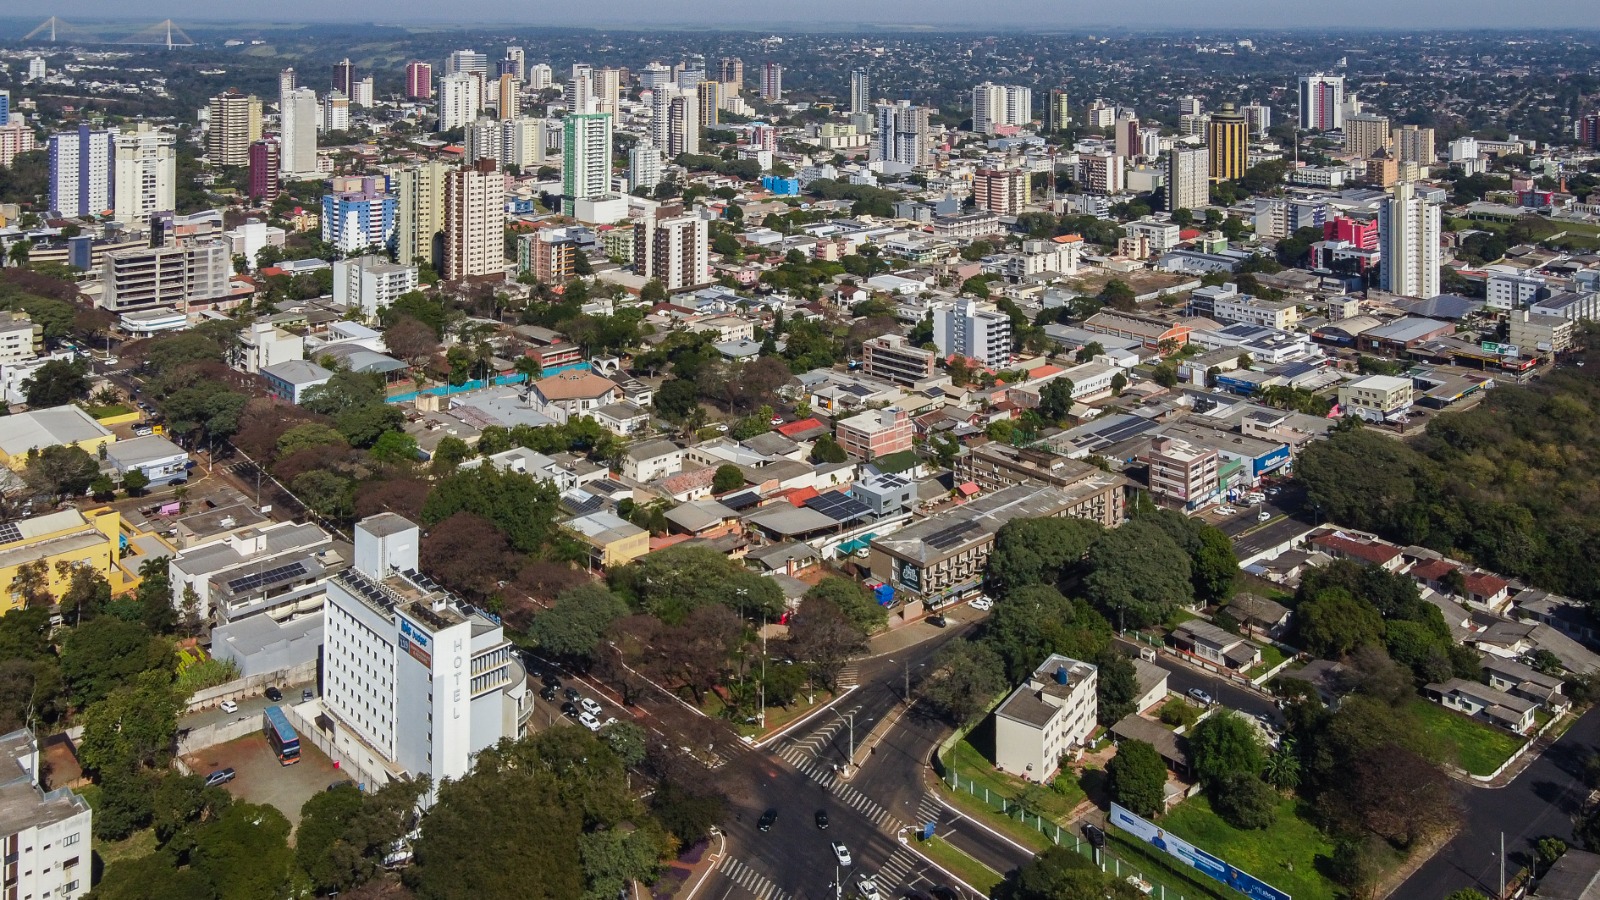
x=249, y=707
x=1543, y=801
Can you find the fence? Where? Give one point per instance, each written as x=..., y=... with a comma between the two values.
x=251, y=685
x=197, y=739
x=1054, y=832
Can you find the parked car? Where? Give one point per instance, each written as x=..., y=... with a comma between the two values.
x=588, y=721
x=143, y=431
x=1263, y=516
x=938, y=620
x=570, y=710
x=228, y=706
x=766, y=820
x=590, y=706
x=841, y=853
x=1200, y=696
x=776, y=421
x=982, y=603
x=220, y=776
x=306, y=695
x=274, y=694
x=1226, y=510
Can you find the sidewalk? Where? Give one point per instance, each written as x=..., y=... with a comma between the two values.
x=904, y=633
x=683, y=877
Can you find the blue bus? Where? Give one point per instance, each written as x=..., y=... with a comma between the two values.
x=281, y=736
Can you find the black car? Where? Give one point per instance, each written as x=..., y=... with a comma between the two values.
x=274, y=694
x=550, y=680
x=767, y=818
x=938, y=620
x=548, y=693
x=822, y=818
x=1096, y=836
x=942, y=892
x=569, y=709
x=572, y=694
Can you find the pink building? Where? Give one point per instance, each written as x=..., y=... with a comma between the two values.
x=419, y=81
x=876, y=433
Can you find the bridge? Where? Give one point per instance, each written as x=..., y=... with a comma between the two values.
x=162, y=34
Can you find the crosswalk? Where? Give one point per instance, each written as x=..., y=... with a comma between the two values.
x=745, y=877
x=825, y=775
x=902, y=867
x=849, y=676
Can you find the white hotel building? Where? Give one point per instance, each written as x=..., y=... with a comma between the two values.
x=416, y=682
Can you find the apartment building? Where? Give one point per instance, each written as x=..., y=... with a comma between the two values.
x=1003, y=192
x=1183, y=473
x=892, y=358
x=370, y=284
x=143, y=278
x=1089, y=492
x=62, y=541
x=474, y=222
x=1046, y=719
x=45, y=834
x=1376, y=398
x=972, y=330
x=876, y=433
x=144, y=172
x=278, y=569
x=235, y=124
x=675, y=251
x=416, y=681
x=21, y=338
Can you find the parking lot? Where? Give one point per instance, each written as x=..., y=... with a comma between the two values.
x=252, y=706
x=261, y=779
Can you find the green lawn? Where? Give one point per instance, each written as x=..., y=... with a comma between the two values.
x=960, y=865
x=1271, y=658
x=140, y=843
x=1163, y=871
x=1055, y=802
x=1283, y=856
x=1479, y=748
x=109, y=410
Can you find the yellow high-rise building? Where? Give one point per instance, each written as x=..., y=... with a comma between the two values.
x=1228, y=143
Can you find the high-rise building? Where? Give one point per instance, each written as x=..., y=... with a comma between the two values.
x=518, y=63
x=508, y=96
x=371, y=283
x=461, y=62
x=460, y=100
x=1365, y=135
x=475, y=221
x=5, y=108
x=539, y=77
x=522, y=143
x=265, y=163
x=607, y=90
x=772, y=82
x=675, y=251
x=996, y=105
x=710, y=98
x=579, y=95
x=860, y=91
x=15, y=138
x=1058, y=114
x=416, y=681
x=335, y=112
x=299, y=124
x=1259, y=117
x=1188, y=178
x=1321, y=102
x=145, y=172
x=287, y=81
x=36, y=69
x=731, y=71
x=1100, y=114
x=586, y=159
x=138, y=278
x=1408, y=227
x=1101, y=173
x=235, y=125
x=1003, y=192
x=364, y=93
x=902, y=135
x=972, y=330
x=80, y=172
x=1228, y=140
x=644, y=166
x=654, y=76
x=47, y=833
x=419, y=215
x=1125, y=137
x=419, y=81
x=356, y=221
x=344, y=78
x=1413, y=144
x=1190, y=105
x=691, y=72
x=675, y=121
x=1587, y=131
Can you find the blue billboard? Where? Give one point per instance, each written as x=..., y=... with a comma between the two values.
x=1194, y=857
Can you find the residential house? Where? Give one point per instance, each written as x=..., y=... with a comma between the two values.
x=1480, y=701
x=1525, y=681
x=572, y=394
x=1360, y=547
x=651, y=460
x=703, y=519
x=1471, y=585
x=613, y=541
x=1216, y=645
x=1047, y=718
x=876, y=433
x=1259, y=615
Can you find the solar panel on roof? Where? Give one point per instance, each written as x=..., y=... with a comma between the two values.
x=10, y=532
x=271, y=576
x=839, y=506
x=952, y=536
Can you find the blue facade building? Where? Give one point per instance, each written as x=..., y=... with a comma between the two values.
x=80, y=172
x=780, y=186
x=354, y=221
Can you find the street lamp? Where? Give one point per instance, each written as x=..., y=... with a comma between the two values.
x=851, y=718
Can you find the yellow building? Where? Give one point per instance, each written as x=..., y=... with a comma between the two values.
x=612, y=540
x=92, y=539
x=66, y=426
x=1228, y=144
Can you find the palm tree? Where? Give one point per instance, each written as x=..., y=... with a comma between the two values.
x=530, y=368
x=1282, y=769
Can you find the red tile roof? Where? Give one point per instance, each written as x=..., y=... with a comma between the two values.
x=1371, y=551
x=790, y=429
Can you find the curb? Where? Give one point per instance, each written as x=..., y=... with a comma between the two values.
x=776, y=735
x=712, y=860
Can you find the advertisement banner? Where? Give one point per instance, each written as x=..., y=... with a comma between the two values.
x=1194, y=857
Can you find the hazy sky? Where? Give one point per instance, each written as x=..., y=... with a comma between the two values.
x=1133, y=14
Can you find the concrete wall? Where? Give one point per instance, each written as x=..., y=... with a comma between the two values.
x=251, y=685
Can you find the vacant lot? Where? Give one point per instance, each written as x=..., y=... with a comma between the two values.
x=261, y=779
x=1479, y=748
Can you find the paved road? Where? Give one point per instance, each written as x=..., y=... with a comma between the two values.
x=249, y=707
x=1542, y=802
x=1182, y=677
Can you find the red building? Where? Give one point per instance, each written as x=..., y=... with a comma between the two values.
x=1357, y=233
x=419, y=81
x=264, y=170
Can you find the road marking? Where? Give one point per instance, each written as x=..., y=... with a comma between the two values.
x=896, y=869
x=848, y=677
x=751, y=880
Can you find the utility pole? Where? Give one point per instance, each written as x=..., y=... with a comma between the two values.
x=1502, y=894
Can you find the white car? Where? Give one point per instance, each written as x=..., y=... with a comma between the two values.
x=1226, y=510
x=868, y=889
x=841, y=853
x=982, y=604
x=721, y=426
x=590, y=707
x=228, y=706
x=588, y=721
x=1263, y=516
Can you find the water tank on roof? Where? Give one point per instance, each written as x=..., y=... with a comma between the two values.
x=1061, y=675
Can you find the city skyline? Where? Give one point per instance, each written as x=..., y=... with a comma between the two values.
x=1005, y=15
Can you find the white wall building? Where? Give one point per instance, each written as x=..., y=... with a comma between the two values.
x=1408, y=231
x=46, y=835
x=974, y=330
x=144, y=174
x=263, y=344
x=141, y=278
x=460, y=100
x=299, y=117
x=1188, y=178
x=416, y=681
x=370, y=283
x=1000, y=104
x=1046, y=719
x=1512, y=290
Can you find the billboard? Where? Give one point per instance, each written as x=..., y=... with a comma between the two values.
x=415, y=642
x=1194, y=857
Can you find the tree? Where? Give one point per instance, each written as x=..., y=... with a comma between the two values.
x=519, y=505
x=468, y=553
x=669, y=583
x=155, y=596
x=827, y=450
x=1334, y=623
x=326, y=493
x=60, y=471
x=1137, y=777
x=677, y=399
x=857, y=605
x=245, y=853
x=1216, y=568
x=102, y=654
x=821, y=635
x=57, y=382
x=395, y=448
x=653, y=291
x=1245, y=802
x=727, y=478
x=1062, y=874
x=1222, y=746
x=134, y=481
x=1038, y=551
x=1138, y=575
x=1055, y=400
x=966, y=677
x=1117, y=687
x=323, y=820
x=132, y=727
x=575, y=625
x=1036, y=621
x=1282, y=768
x=155, y=876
